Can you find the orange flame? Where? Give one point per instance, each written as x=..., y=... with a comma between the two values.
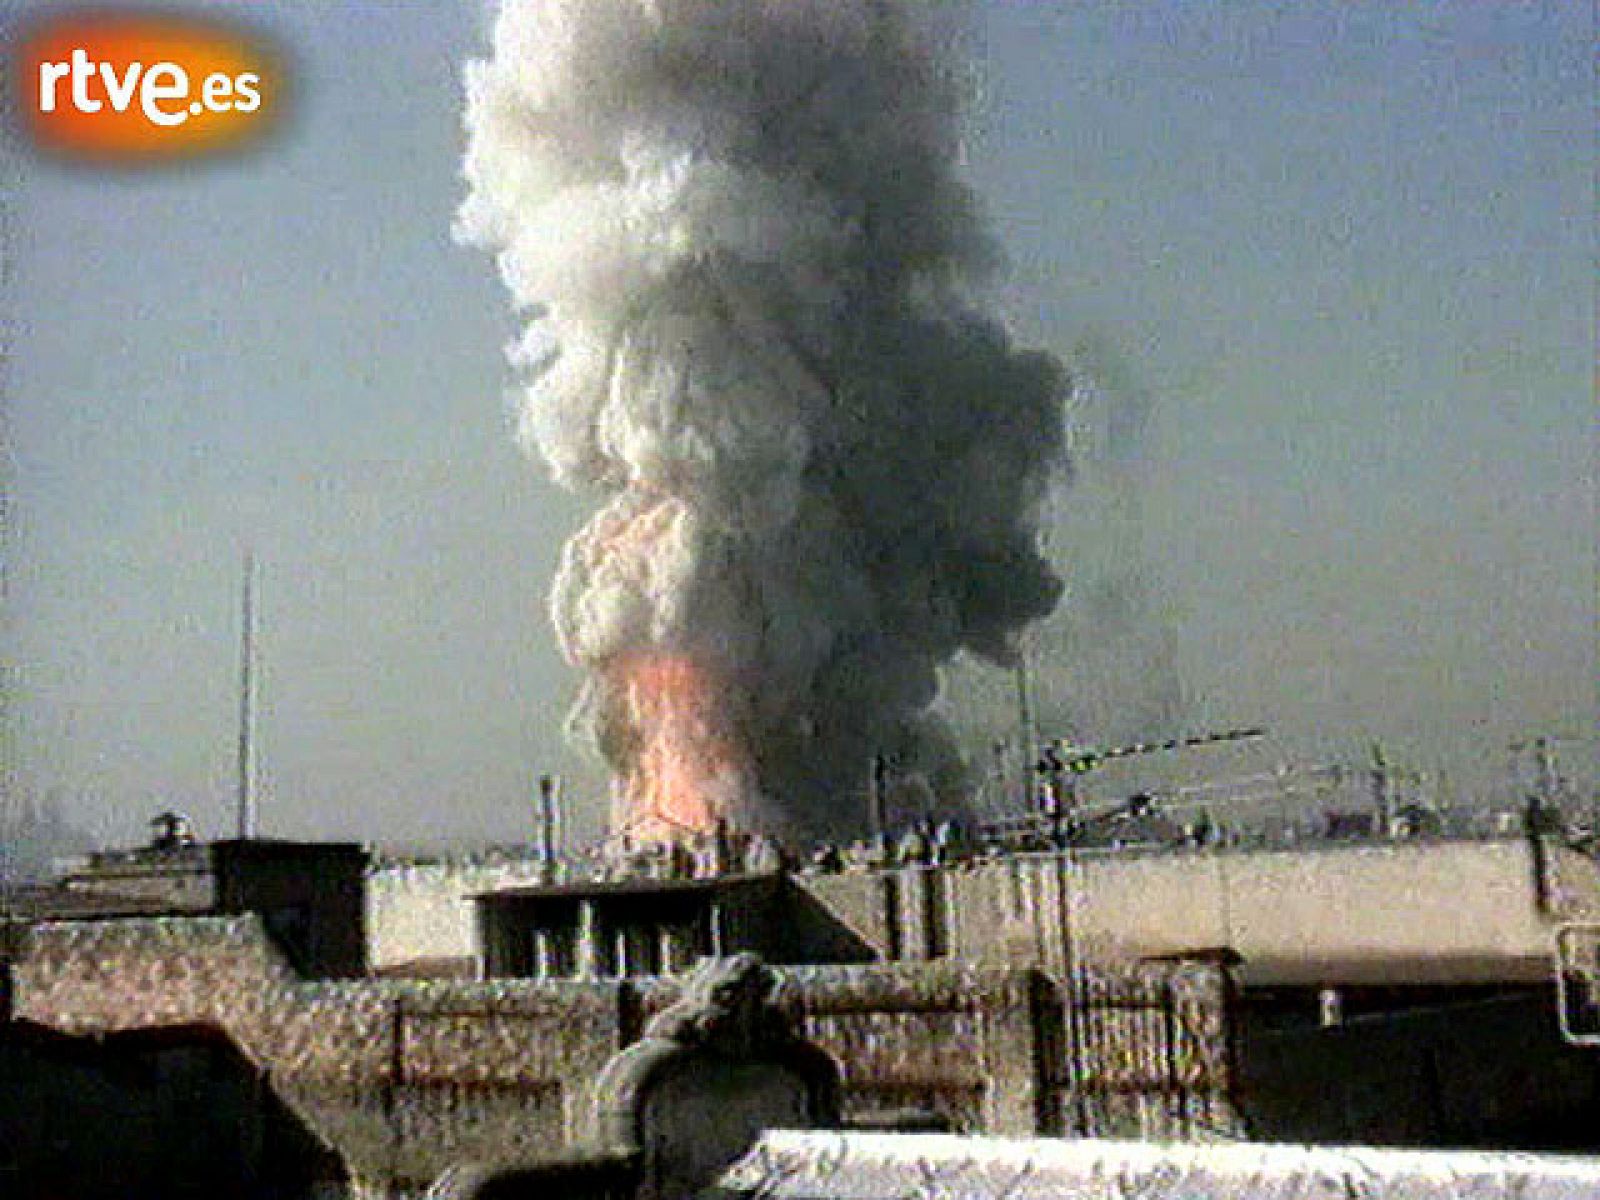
x=686, y=776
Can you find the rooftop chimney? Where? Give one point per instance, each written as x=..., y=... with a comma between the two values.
x=549, y=818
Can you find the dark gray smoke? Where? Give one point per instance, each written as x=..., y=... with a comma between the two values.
x=744, y=251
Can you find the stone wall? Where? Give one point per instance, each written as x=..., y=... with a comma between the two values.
x=1162, y=1040
x=399, y=1077
x=1145, y=1050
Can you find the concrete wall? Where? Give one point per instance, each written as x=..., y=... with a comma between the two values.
x=964, y=1043
x=1408, y=911
x=1162, y=1038
x=424, y=912
x=1138, y=1051
x=1415, y=912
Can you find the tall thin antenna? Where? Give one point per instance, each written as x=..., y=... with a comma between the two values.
x=247, y=703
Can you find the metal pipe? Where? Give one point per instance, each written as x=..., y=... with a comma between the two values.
x=879, y=795
x=587, y=950
x=549, y=818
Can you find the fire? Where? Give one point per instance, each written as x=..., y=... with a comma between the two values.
x=686, y=775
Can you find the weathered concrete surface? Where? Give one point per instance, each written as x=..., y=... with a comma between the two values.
x=1417, y=912
x=1138, y=1051
x=423, y=912
x=830, y=1166
x=1414, y=912
x=959, y=1041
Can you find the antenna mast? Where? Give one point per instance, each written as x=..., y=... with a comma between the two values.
x=247, y=703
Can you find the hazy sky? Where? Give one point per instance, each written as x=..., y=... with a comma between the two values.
x=1344, y=252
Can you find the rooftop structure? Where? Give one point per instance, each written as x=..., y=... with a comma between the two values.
x=309, y=895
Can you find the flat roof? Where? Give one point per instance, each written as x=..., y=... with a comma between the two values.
x=199, y=858
x=599, y=888
x=1397, y=970
x=46, y=902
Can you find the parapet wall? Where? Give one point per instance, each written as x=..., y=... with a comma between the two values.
x=1417, y=912
x=830, y=1166
x=1420, y=912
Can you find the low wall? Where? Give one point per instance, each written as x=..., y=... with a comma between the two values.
x=400, y=1078
x=1161, y=1040
x=831, y=1166
x=1141, y=1051
x=965, y=1043
x=404, y=1077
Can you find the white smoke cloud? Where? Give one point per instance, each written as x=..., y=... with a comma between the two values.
x=744, y=251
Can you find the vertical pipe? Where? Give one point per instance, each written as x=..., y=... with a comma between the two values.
x=588, y=938
x=893, y=934
x=879, y=795
x=717, y=950
x=622, y=965
x=666, y=951
x=1330, y=1007
x=1546, y=762
x=547, y=819
x=247, y=704
x=558, y=833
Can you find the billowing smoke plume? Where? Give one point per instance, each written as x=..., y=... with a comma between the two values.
x=743, y=249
